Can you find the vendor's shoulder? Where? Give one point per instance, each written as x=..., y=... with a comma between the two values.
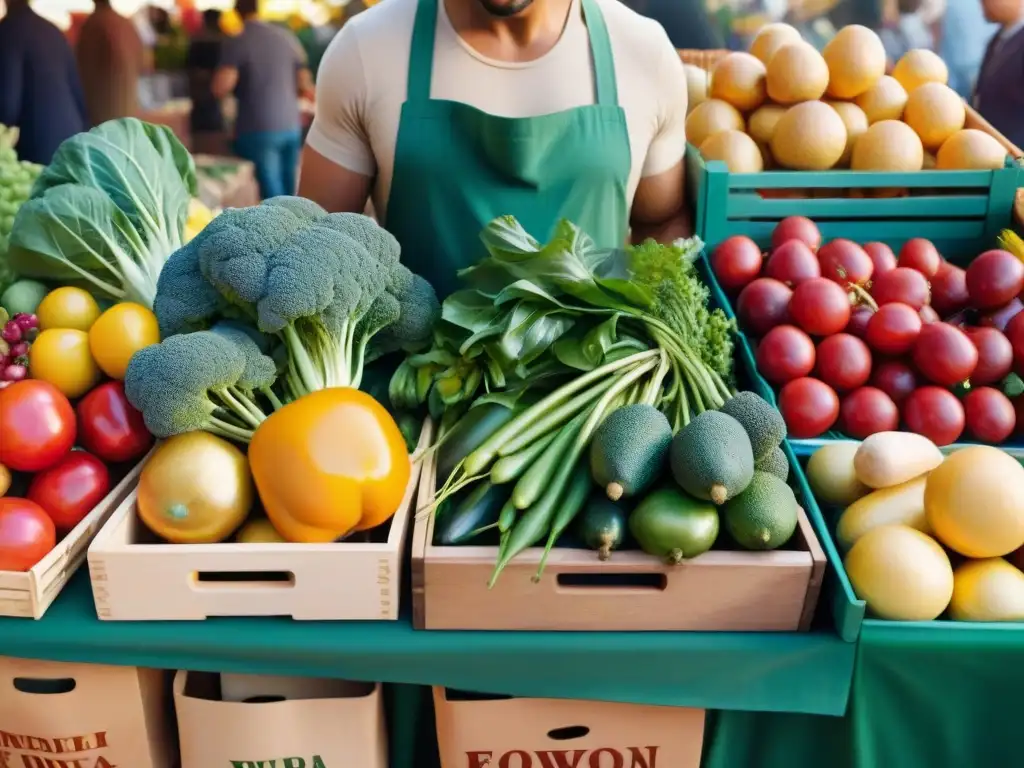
x=633, y=33
x=380, y=23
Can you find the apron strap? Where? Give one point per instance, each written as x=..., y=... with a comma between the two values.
x=424, y=31
x=601, y=49
x=421, y=54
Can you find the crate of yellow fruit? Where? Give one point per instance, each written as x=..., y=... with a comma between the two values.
x=789, y=130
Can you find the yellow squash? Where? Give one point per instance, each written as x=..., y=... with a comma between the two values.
x=195, y=489
x=897, y=505
x=331, y=462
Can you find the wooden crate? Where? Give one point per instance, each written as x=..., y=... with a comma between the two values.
x=717, y=591
x=133, y=580
x=29, y=594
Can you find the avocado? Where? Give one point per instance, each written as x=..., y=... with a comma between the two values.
x=775, y=463
x=764, y=516
x=602, y=524
x=673, y=526
x=764, y=425
x=711, y=457
x=627, y=453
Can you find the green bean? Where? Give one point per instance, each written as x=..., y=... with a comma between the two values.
x=538, y=477
x=580, y=485
x=507, y=517
x=509, y=468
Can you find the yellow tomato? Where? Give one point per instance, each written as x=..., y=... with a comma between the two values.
x=61, y=356
x=68, y=307
x=259, y=531
x=329, y=463
x=195, y=489
x=119, y=333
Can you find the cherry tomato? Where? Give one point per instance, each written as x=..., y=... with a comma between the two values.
x=843, y=362
x=893, y=329
x=995, y=356
x=895, y=378
x=792, y=263
x=994, y=278
x=860, y=316
x=809, y=407
x=736, y=261
x=820, y=307
x=796, y=228
x=1015, y=334
x=881, y=256
x=70, y=489
x=67, y=307
x=935, y=413
x=785, y=353
x=61, y=356
x=990, y=415
x=944, y=354
x=119, y=333
x=866, y=411
x=906, y=286
x=762, y=305
x=845, y=262
x=921, y=255
x=949, y=290
x=110, y=427
x=1001, y=318
x=26, y=534
x=37, y=426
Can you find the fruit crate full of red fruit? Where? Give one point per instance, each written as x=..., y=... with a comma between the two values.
x=859, y=337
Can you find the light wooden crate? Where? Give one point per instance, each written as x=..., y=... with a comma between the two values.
x=344, y=581
x=29, y=594
x=717, y=591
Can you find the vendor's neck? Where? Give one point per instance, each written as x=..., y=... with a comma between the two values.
x=522, y=36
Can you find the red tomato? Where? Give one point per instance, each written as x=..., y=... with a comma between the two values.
x=110, y=427
x=1015, y=334
x=37, y=426
x=69, y=490
x=785, y=353
x=796, y=228
x=906, y=286
x=994, y=278
x=893, y=329
x=995, y=355
x=881, y=256
x=866, y=411
x=735, y=262
x=921, y=255
x=990, y=415
x=896, y=379
x=843, y=362
x=820, y=307
x=860, y=316
x=810, y=407
x=26, y=534
x=762, y=305
x=935, y=413
x=949, y=290
x=845, y=262
x=792, y=263
x=1001, y=318
x=928, y=315
x=944, y=354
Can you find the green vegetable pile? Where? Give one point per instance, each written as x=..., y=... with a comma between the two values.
x=596, y=358
x=16, y=179
x=107, y=212
x=267, y=304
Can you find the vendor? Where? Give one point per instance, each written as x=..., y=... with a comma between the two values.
x=999, y=93
x=453, y=112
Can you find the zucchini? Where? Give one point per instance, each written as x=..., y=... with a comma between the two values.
x=478, y=510
x=468, y=434
x=602, y=525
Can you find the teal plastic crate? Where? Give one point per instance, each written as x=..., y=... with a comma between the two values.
x=954, y=209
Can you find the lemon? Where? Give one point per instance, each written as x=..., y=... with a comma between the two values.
x=770, y=38
x=856, y=123
x=738, y=151
x=796, y=73
x=738, y=79
x=918, y=67
x=856, y=60
x=885, y=100
x=936, y=112
x=68, y=307
x=259, y=531
x=970, y=149
x=761, y=124
x=809, y=137
x=711, y=117
x=987, y=590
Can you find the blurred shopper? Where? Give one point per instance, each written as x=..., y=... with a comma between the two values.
x=906, y=31
x=265, y=67
x=40, y=92
x=111, y=58
x=999, y=94
x=963, y=35
x=688, y=23
x=207, y=117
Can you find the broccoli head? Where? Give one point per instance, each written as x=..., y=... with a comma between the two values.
x=185, y=301
x=197, y=381
x=412, y=331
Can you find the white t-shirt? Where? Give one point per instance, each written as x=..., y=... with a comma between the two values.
x=361, y=86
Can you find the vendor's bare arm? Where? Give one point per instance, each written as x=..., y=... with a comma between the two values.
x=332, y=186
x=659, y=208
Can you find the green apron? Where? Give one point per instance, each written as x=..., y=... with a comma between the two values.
x=457, y=168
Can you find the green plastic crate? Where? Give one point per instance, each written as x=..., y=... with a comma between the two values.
x=954, y=209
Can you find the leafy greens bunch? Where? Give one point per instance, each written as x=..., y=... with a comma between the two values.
x=564, y=333
x=107, y=212
x=268, y=304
